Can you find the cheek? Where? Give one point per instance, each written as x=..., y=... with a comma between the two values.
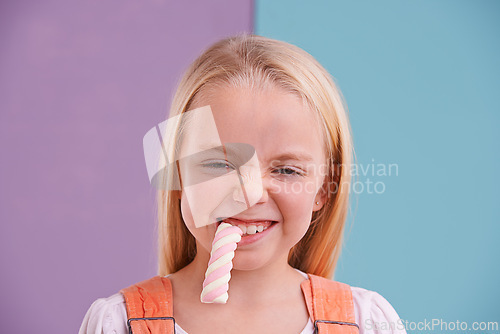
x=296, y=207
x=295, y=200
x=186, y=213
x=200, y=201
x=201, y=234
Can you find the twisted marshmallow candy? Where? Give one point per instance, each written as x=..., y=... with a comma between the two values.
x=216, y=283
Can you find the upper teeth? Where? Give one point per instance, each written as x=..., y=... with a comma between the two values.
x=248, y=228
x=252, y=229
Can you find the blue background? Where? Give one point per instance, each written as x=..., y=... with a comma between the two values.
x=421, y=80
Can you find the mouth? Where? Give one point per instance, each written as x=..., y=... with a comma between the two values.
x=248, y=227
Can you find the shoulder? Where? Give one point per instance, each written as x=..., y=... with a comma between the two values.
x=106, y=315
x=374, y=314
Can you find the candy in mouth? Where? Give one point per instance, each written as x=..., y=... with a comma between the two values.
x=218, y=274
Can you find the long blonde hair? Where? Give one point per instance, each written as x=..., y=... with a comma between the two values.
x=253, y=61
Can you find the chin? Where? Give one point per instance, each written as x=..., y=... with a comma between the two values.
x=247, y=262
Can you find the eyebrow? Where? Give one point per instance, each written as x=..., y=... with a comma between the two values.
x=218, y=148
x=283, y=156
x=299, y=156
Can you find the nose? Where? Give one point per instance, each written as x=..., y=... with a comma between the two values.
x=251, y=190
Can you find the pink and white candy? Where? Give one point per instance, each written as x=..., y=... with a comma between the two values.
x=218, y=274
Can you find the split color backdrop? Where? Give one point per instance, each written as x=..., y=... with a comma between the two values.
x=82, y=82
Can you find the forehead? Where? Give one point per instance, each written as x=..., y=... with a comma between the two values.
x=272, y=121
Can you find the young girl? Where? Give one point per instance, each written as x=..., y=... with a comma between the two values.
x=267, y=148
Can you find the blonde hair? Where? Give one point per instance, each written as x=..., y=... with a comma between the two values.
x=254, y=61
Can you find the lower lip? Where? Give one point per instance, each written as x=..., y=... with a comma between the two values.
x=252, y=238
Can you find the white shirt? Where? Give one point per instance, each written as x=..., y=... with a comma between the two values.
x=372, y=313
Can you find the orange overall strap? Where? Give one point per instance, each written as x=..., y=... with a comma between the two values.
x=150, y=306
x=330, y=306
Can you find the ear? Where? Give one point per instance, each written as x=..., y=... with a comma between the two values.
x=320, y=198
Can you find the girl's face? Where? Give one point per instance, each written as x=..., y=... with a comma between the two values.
x=279, y=176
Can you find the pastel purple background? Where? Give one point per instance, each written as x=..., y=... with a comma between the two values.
x=80, y=85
